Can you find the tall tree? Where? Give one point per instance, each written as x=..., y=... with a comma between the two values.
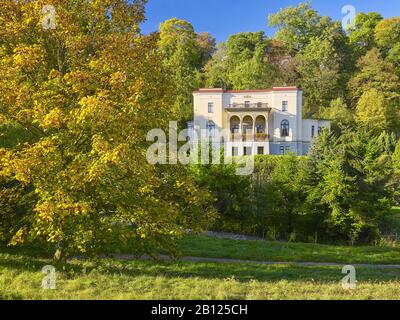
x=319, y=69
x=322, y=56
x=374, y=111
x=207, y=47
x=89, y=91
x=362, y=34
x=374, y=73
x=242, y=63
x=185, y=54
x=216, y=70
x=178, y=43
x=388, y=39
x=296, y=25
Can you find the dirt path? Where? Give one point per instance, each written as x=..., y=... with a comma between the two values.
x=222, y=260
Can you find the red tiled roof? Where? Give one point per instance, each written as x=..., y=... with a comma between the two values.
x=220, y=90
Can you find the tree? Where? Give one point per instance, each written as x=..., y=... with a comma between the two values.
x=322, y=56
x=207, y=47
x=241, y=63
x=362, y=34
x=374, y=111
x=320, y=77
x=182, y=56
x=339, y=113
x=88, y=92
x=374, y=73
x=350, y=176
x=296, y=25
x=232, y=196
x=216, y=70
x=254, y=73
x=387, y=33
x=388, y=39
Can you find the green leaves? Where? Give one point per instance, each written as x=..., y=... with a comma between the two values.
x=90, y=91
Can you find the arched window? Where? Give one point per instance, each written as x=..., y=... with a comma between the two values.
x=211, y=127
x=285, y=128
x=260, y=128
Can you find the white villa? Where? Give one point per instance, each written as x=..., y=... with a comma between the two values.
x=258, y=121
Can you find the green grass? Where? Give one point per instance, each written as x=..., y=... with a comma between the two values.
x=20, y=278
x=20, y=273
x=203, y=246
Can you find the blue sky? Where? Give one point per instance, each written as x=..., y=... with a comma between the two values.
x=224, y=17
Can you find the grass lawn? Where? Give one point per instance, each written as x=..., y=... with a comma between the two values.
x=20, y=278
x=203, y=246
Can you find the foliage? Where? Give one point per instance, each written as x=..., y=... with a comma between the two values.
x=339, y=113
x=339, y=194
x=362, y=34
x=373, y=111
x=374, y=72
x=184, y=54
x=88, y=92
x=231, y=195
x=241, y=64
x=321, y=54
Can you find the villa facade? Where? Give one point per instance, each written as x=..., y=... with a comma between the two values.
x=257, y=121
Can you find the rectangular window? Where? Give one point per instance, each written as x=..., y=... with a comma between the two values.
x=260, y=150
x=312, y=131
x=210, y=107
x=247, y=104
x=282, y=149
x=319, y=130
x=235, y=151
x=287, y=150
x=285, y=105
x=247, y=151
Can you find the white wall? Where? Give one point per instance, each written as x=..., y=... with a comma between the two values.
x=307, y=128
x=300, y=130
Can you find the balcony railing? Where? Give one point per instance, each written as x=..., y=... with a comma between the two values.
x=258, y=137
x=259, y=105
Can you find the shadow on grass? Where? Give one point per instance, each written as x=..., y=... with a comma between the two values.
x=189, y=270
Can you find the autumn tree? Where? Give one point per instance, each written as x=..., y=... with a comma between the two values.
x=362, y=34
x=88, y=92
x=216, y=71
x=184, y=53
x=322, y=56
x=242, y=63
x=374, y=72
x=374, y=111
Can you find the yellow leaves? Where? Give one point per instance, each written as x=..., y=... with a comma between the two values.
x=79, y=81
x=118, y=78
x=54, y=119
x=27, y=58
x=99, y=144
x=18, y=238
x=5, y=164
x=179, y=184
x=96, y=111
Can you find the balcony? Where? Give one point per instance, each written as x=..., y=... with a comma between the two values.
x=258, y=137
x=248, y=106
